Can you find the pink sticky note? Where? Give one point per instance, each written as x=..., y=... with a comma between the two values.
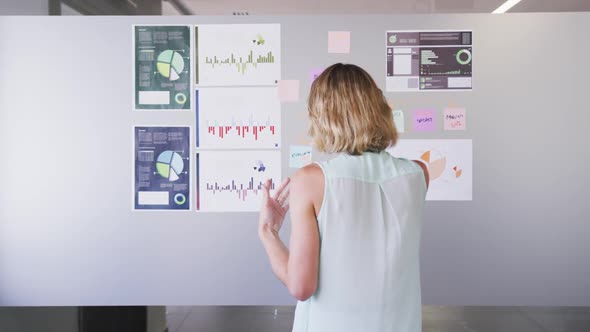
x=288, y=91
x=424, y=120
x=455, y=119
x=315, y=73
x=339, y=42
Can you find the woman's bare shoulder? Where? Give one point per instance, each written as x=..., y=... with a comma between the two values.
x=308, y=183
x=310, y=171
x=311, y=174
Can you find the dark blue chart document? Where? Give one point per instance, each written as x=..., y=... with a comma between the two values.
x=162, y=168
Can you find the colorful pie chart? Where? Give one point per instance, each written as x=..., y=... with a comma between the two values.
x=170, y=165
x=436, y=163
x=170, y=64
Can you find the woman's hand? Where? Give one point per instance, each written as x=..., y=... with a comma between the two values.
x=273, y=209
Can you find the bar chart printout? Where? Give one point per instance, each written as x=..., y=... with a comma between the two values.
x=237, y=54
x=238, y=118
x=231, y=181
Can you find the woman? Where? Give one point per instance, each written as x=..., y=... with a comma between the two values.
x=353, y=260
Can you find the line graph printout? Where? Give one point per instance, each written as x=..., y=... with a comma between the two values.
x=449, y=162
x=429, y=60
x=232, y=181
x=162, y=67
x=237, y=54
x=238, y=118
x=162, y=168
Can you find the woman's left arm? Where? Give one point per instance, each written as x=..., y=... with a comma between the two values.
x=298, y=267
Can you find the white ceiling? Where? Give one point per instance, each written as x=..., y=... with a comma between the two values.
x=287, y=7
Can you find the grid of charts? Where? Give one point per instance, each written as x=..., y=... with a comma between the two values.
x=228, y=74
x=238, y=115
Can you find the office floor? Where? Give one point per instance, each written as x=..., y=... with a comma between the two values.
x=435, y=319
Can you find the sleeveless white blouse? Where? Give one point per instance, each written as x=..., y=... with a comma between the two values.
x=370, y=223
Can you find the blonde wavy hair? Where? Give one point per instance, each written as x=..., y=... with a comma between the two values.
x=348, y=112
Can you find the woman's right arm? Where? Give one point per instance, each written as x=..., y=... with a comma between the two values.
x=306, y=195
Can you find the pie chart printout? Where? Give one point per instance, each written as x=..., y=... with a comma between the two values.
x=449, y=163
x=170, y=165
x=161, y=72
x=162, y=172
x=170, y=64
x=436, y=163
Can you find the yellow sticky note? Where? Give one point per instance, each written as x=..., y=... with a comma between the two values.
x=339, y=42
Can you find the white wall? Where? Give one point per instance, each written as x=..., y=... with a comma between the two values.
x=68, y=235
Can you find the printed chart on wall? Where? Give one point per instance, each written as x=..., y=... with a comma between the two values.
x=162, y=168
x=162, y=67
x=231, y=181
x=449, y=164
x=429, y=60
x=237, y=54
x=238, y=118
x=238, y=114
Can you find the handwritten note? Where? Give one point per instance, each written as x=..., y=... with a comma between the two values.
x=424, y=120
x=339, y=42
x=288, y=91
x=398, y=119
x=455, y=119
x=299, y=156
